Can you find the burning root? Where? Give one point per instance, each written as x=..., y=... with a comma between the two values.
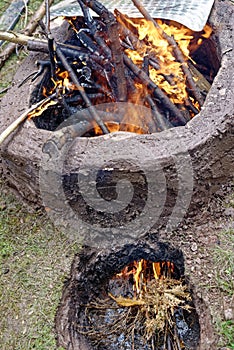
x=150, y=314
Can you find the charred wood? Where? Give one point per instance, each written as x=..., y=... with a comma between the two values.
x=115, y=46
x=50, y=39
x=87, y=42
x=42, y=67
x=81, y=90
x=41, y=45
x=77, y=99
x=145, y=65
x=93, y=27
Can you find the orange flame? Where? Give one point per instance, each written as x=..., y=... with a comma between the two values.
x=64, y=82
x=169, y=76
x=144, y=271
x=61, y=82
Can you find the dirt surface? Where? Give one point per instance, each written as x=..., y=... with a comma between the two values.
x=207, y=241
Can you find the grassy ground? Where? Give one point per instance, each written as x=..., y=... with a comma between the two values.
x=35, y=259
x=223, y=257
x=7, y=73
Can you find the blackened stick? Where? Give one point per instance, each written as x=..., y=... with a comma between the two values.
x=115, y=45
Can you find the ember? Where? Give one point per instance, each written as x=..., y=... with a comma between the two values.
x=117, y=59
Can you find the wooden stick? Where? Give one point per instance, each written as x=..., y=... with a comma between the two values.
x=201, y=81
x=11, y=16
x=12, y=127
x=74, y=78
x=81, y=90
x=158, y=118
x=91, y=24
x=20, y=39
x=116, y=50
x=161, y=122
x=47, y=10
x=126, y=32
x=31, y=26
x=41, y=45
x=117, y=58
x=50, y=39
x=178, y=53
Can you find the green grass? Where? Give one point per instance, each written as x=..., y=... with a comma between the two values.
x=3, y=5
x=223, y=257
x=224, y=260
x=10, y=67
x=226, y=331
x=35, y=259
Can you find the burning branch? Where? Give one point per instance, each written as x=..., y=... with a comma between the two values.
x=41, y=104
x=160, y=121
x=176, y=49
x=157, y=92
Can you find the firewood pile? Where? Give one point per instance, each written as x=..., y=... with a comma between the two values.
x=112, y=58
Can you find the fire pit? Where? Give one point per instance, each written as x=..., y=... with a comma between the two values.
x=207, y=137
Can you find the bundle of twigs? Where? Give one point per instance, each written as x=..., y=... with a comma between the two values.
x=151, y=315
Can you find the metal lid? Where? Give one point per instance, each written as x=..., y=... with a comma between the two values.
x=193, y=14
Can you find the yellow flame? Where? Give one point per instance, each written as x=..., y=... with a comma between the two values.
x=169, y=77
x=39, y=110
x=62, y=82
x=156, y=269
x=144, y=271
x=137, y=275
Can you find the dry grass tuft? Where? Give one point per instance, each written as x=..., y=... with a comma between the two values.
x=151, y=314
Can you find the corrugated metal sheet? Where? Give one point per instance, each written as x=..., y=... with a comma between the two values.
x=193, y=14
